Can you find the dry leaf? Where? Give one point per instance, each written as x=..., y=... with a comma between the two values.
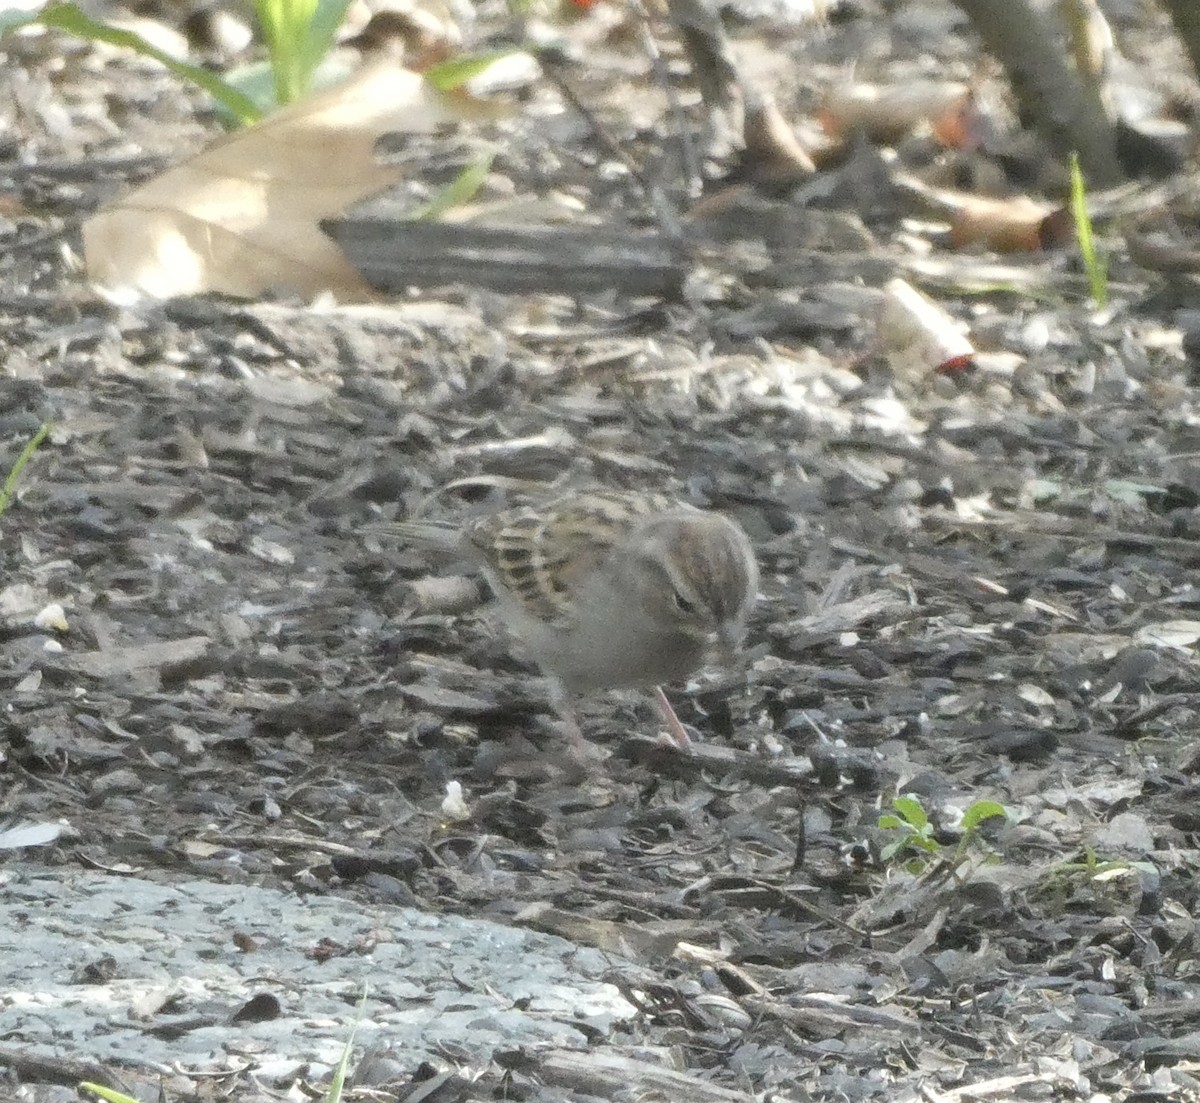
x=1181, y=634
x=773, y=157
x=1007, y=225
x=1092, y=42
x=888, y=112
x=1014, y=225
x=242, y=217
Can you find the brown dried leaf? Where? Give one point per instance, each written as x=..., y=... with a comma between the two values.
x=243, y=216
x=1015, y=225
x=888, y=112
x=773, y=158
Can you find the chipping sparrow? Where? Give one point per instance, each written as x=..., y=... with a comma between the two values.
x=611, y=589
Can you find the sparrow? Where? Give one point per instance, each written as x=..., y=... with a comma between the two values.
x=612, y=589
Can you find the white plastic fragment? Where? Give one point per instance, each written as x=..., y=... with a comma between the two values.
x=917, y=335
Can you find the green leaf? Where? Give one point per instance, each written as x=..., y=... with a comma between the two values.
x=322, y=31
x=1093, y=262
x=299, y=34
x=338, y=1080
x=982, y=810
x=14, y=476
x=910, y=808
x=890, y=822
x=106, y=1094
x=454, y=73
x=458, y=191
x=69, y=18
x=279, y=20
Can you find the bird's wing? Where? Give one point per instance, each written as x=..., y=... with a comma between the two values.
x=538, y=557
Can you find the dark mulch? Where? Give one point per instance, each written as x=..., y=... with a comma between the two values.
x=975, y=587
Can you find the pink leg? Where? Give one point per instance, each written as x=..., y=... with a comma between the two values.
x=677, y=730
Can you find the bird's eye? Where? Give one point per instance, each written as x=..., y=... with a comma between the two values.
x=683, y=605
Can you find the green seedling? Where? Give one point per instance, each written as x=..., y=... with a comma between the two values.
x=1104, y=870
x=913, y=833
x=1065, y=879
x=459, y=191
x=337, y=1083
x=973, y=819
x=299, y=34
x=107, y=1094
x=70, y=19
x=1094, y=263
x=14, y=476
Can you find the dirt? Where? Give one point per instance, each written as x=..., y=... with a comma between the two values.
x=977, y=586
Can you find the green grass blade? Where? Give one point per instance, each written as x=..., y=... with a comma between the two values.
x=67, y=17
x=299, y=33
x=454, y=73
x=14, y=476
x=1093, y=262
x=107, y=1094
x=337, y=1082
x=284, y=24
x=458, y=191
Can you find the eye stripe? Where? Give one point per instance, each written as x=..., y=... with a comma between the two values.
x=714, y=564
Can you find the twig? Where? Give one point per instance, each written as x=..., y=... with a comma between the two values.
x=664, y=213
x=691, y=162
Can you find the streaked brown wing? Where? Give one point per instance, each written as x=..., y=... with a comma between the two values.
x=539, y=556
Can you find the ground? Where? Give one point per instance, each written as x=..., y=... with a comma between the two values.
x=976, y=586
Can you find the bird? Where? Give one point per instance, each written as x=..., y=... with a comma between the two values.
x=611, y=589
